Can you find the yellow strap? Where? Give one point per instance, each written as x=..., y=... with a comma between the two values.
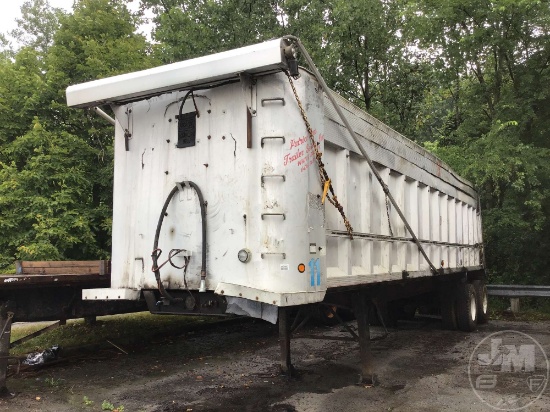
x=325, y=191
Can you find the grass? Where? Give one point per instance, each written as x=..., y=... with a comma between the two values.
x=531, y=309
x=132, y=328
x=119, y=329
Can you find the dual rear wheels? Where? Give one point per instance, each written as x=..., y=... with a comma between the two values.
x=464, y=306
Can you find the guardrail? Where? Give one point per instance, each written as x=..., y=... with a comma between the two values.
x=518, y=291
x=514, y=292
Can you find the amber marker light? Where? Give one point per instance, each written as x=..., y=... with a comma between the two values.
x=301, y=268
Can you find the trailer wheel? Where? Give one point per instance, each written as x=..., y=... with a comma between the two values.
x=403, y=311
x=481, y=302
x=466, y=305
x=323, y=315
x=449, y=309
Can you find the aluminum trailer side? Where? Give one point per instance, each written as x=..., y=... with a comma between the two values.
x=214, y=163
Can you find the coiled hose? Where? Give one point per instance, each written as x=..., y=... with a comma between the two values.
x=157, y=252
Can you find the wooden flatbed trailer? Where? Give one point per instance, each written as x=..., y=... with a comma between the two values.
x=50, y=291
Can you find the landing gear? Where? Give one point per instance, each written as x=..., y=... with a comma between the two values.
x=360, y=307
x=284, y=341
x=361, y=304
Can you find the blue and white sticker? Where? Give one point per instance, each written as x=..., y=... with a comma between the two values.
x=315, y=271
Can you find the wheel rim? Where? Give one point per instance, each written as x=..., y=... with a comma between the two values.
x=485, y=303
x=330, y=314
x=473, y=308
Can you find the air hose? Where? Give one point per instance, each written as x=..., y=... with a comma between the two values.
x=157, y=252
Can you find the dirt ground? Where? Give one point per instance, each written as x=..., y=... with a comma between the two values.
x=235, y=368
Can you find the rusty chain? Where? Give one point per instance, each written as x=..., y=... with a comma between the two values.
x=323, y=175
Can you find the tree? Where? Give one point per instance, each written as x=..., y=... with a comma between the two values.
x=56, y=162
x=356, y=44
x=45, y=198
x=467, y=78
x=21, y=85
x=190, y=28
x=5, y=49
x=494, y=56
x=37, y=25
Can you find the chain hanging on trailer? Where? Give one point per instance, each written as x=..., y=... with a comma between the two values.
x=385, y=188
x=323, y=175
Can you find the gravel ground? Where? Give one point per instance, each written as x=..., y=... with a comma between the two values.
x=235, y=368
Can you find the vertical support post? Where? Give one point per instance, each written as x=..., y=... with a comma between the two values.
x=5, y=330
x=284, y=340
x=90, y=320
x=361, y=313
x=248, y=130
x=514, y=305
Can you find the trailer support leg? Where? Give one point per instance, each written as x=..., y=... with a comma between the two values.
x=284, y=341
x=5, y=330
x=360, y=308
x=90, y=320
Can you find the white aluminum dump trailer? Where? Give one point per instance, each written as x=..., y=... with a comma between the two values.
x=220, y=187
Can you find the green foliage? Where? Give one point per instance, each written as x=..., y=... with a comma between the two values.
x=496, y=120
x=55, y=162
x=54, y=383
x=46, y=191
x=191, y=28
x=37, y=25
x=468, y=79
x=108, y=406
x=21, y=84
x=97, y=40
x=86, y=401
x=357, y=44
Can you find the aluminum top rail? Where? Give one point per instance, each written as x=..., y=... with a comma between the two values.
x=258, y=58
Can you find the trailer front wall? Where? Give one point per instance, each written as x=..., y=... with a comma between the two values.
x=262, y=192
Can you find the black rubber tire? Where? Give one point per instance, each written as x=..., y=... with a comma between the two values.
x=448, y=310
x=466, y=305
x=481, y=302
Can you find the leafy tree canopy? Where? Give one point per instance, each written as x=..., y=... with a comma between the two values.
x=56, y=162
x=466, y=78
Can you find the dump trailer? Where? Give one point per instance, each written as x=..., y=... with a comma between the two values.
x=243, y=185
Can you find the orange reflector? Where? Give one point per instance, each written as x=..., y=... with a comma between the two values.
x=301, y=268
